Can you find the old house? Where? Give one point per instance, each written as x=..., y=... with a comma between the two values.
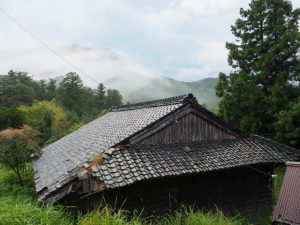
x=287, y=209
x=157, y=155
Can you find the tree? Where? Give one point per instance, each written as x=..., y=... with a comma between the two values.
x=89, y=104
x=16, y=88
x=47, y=117
x=266, y=67
x=51, y=89
x=70, y=93
x=100, y=97
x=113, y=98
x=11, y=117
x=40, y=90
x=16, y=147
x=288, y=124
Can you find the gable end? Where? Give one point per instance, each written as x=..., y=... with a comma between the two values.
x=186, y=124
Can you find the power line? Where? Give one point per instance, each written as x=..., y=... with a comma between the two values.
x=45, y=44
x=260, y=171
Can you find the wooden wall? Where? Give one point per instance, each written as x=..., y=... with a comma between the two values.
x=242, y=189
x=189, y=128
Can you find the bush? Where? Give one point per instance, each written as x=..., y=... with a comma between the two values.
x=11, y=117
x=16, y=147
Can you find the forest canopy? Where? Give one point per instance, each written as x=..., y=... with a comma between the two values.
x=50, y=107
x=261, y=94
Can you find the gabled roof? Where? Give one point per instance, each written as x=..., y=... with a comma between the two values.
x=99, y=149
x=60, y=161
x=125, y=166
x=287, y=209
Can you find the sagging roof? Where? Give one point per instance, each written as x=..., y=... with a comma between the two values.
x=125, y=166
x=60, y=161
x=287, y=209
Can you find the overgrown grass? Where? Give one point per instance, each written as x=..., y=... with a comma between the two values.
x=106, y=215
x=190, y=217
x=185, y=216
x=20, y=211
x=10, y=186
x=18, y=205
x=279, y=171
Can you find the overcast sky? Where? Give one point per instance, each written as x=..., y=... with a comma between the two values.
x=181, y=39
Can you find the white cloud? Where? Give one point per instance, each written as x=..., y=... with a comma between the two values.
x=100, y=64
x=207, y=7
x=181, y=38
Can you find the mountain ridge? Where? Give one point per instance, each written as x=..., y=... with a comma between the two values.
x=137, y=89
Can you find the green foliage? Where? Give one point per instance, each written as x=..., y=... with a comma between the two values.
x=70, y=93
x=113, y=98
x=288, y=124
x=186, y=216
x=279, y=172
x=264, y=57
x=18, y=203
x=18, y=88
x=100, y=97
x=190, y=217
x=51, y=89
x=16, y=147
x=41, y=90
x=89, y=105
x=106, y=215
x=81, y=103
x=47, y=117
x=11, y=117
x=163, y=87
x=103, y=112
x=84, y=101
x=22, y=212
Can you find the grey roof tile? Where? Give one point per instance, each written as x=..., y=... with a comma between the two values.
x=69, y=153
x=152, y=161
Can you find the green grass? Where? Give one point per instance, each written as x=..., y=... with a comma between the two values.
x=10, y=187
x=188, y=216
x=19, y=211
x=18, y=205
x=106, y=215
x=279, y=171
x=182, y=217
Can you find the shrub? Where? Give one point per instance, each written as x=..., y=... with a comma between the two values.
x=16, y=146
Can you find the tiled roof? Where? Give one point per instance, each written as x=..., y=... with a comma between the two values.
x=159, y=102
x=61, y=160
x=287, y=209
x=140, y=162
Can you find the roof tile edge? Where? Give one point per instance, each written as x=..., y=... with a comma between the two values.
x=159, y=102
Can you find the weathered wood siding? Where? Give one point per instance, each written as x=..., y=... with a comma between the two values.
x=189, y=128
x=241, y=189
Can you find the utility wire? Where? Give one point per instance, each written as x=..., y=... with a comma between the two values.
x=262, y=172
x=46, y=45
x=258, y=170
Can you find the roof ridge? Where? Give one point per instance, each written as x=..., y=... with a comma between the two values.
x=158, y=102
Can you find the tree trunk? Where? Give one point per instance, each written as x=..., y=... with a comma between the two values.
x=19, y=176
